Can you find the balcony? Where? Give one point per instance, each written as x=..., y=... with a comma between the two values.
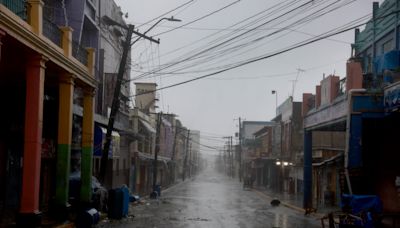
x=79, y=53
x=19, y=7
x=52, y=31
x=327, y=114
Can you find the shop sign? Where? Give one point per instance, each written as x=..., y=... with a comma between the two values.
x=392, y=98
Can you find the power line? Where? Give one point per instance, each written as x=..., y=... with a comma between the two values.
x=232, y=49
x=301, y=44
x=240, y=22
x=235, y=37
x=280, y=6
x=198, y=19
x=232, y=64
x=162, y=15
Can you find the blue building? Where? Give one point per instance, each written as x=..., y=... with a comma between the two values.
x=378, y=48
x=367, y=111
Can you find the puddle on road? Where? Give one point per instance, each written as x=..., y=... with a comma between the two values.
x=171, y=219
x=198, y=219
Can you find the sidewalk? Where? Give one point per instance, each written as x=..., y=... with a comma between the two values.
x=293, y=201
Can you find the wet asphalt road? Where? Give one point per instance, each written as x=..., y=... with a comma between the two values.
x=212, y=200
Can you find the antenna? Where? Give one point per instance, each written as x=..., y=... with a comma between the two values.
x=299, y=70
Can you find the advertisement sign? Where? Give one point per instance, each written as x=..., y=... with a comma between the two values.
x=392, y=98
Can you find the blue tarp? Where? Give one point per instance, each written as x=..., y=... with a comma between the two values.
x=362, y=203
x=364, y=206
x=387, y=61
x=98, y=141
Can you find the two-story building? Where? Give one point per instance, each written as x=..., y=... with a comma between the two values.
x=45, y=60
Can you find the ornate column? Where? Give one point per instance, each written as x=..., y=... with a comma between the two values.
x=35, y=73
x=91, y=61
x=87, y=145
x=66, y=40
x=35, y=17
x=65, y=104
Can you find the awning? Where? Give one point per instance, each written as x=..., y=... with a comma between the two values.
x=99, y=140
x=148, y=127
x=146, y=156
x=329, y=160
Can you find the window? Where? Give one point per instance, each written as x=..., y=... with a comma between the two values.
x=387, y=46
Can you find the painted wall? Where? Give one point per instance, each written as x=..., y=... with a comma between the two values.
x=146, y=102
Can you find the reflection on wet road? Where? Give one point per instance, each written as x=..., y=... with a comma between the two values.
x=213, y=200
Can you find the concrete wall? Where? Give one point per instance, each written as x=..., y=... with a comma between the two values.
x=111, y=38
x=329, y=89
x=146, y=102
x=317, y=96
x=354, y=78
x=307, y=104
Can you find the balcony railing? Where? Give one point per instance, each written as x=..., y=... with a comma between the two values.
x=19, y=7
x=80, y=53
x=52, y=31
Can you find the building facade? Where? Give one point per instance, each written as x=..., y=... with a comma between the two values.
x=42, y=67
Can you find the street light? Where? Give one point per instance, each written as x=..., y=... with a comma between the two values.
x=117, y=90
x=285, y=163
x=164, y=18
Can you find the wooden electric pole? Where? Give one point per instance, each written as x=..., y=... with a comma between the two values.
x=157, y=150
x=117, y=90
x=186, y=154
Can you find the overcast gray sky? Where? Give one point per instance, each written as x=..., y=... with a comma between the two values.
x=211, y=105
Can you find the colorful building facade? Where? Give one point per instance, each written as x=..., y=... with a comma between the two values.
x=40, y=68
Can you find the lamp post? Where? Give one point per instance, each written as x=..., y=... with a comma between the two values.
x=164, y=18
x=117, y=90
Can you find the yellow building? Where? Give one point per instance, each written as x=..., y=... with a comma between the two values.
x=38, y=76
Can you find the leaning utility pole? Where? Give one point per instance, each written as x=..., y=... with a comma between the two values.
x=186, y=154
x=115, y=103
x=159, y=119
x=174, y=153
x=117, y=90
x=231, y=160
x=240, y=149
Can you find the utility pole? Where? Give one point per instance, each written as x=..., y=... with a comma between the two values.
x=240, y=149
x=157, y=150
x=174, y=152
x=282, y=167
x=115, y=103
x=117, y=90
x=231, y=161
x=227, y=159
x=186, y=154
x=190, y=160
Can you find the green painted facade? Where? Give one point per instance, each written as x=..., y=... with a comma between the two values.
x=63, y=170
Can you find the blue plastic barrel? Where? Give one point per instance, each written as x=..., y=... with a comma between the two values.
x=115, y=203
x=125, y=201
